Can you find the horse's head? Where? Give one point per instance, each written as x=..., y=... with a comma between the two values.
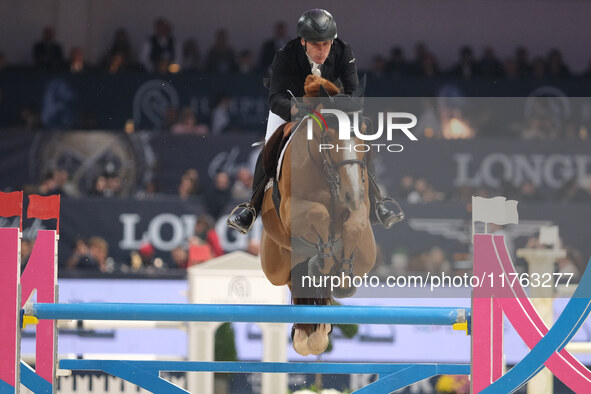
x=337, y=122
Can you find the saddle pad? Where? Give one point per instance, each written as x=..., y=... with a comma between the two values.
x=291, y=126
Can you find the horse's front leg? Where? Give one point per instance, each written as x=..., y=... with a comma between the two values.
x=359, y=250
x=311, y=220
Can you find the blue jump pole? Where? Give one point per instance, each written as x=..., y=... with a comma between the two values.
x=442, y=316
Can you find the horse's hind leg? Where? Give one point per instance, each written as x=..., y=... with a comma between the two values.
x=275, y=261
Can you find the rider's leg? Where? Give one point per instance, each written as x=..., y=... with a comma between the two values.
x=380, y=212
x=243, y=216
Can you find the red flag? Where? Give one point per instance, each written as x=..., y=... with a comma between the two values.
x=43, y=208
x=11, y=204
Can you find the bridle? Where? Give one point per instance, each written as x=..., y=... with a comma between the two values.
x=330, y=167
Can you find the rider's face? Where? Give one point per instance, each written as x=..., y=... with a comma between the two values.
x=318, y=51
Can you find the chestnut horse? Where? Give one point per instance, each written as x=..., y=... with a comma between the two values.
x=322, y=224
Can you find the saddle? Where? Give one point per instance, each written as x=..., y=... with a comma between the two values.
x=274, y=146
x=271, y=155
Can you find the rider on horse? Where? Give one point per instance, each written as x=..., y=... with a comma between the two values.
x=317, y=51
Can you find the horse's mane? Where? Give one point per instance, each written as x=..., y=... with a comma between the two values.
x=313, y=83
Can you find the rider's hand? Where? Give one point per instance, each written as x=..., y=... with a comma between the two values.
x=295, y=109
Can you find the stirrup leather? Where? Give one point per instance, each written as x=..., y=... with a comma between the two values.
x=235, y=226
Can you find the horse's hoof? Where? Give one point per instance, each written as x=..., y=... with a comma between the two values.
x=340, y=292
x=318, y=340
x=300, y=342
x=314, y=265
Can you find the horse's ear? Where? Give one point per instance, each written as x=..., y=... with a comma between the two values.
x=360, y=89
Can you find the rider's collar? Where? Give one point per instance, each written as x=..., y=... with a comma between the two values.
x=312, y=62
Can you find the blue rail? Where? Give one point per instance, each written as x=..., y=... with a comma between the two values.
x=255, y=366
x=443, y=316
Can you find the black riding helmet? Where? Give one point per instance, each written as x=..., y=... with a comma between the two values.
x=317, y=25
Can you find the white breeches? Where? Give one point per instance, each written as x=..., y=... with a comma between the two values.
x=273, y=123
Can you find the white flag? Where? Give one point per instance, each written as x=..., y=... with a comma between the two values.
x=496, y=210
x=549, y=236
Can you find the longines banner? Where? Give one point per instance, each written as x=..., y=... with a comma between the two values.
x=166, y=223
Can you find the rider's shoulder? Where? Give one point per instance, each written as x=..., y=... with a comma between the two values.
x=341, y=45
x=290, y=47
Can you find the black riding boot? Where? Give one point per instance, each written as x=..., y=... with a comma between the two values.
x=243, y=216
x=380, y=213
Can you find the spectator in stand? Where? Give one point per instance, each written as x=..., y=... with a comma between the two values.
x=246, y=62
x=556, y=66
x=204, y=244
x=116, y=64
x=113, y=188
x=150, y=190
x=91, y=256
x=467, y=67
x=179, y=257
x=510, y=68
x=62, y=182
x=490, y=66
x=205, y=231
x=99, y=186
x=80, y=257
x=159, y=51
x=120, y=48
x=406, y=187
x=529, y=193
x=190, y=57
x=429, y=67
x=570, y=192
x=107, y=184
x=187, y=124
x=193, y=174
x=98, y=250
x=522, y=62
x=397, y=65
x=242, y=188
x=30, y=118
x=377, y=69
x=269, y=48
x=538, y=68
x=186, y=189
x=220, y=195
x=76, y=62
x=421, y=52
x=423, y=192
x=48, y=185
x=221, y=57
x=144, y=259
x=47, y=53
x=221, y=120
x=26, y=250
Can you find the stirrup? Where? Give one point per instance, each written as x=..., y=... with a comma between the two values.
x=231, y=224
x=398, y=213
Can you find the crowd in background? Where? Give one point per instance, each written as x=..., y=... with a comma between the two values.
x=163, y=53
